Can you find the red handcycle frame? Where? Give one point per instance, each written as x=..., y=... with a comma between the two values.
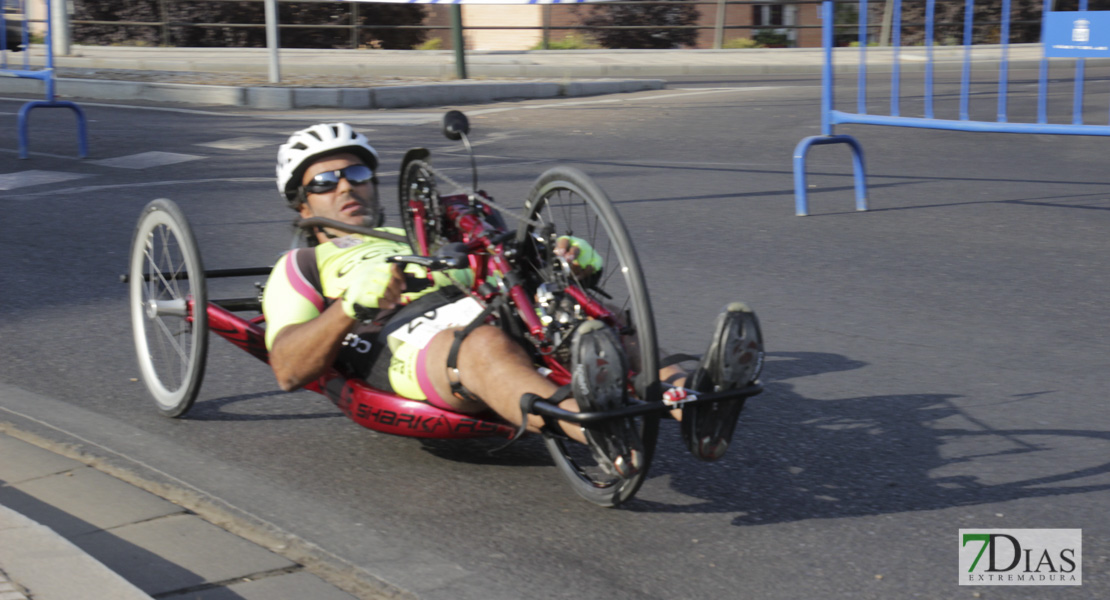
x=372, y=408
x=389, y=413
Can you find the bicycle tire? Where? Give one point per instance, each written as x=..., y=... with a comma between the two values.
x=171, y=341
x=565, y=192
x=418, y=184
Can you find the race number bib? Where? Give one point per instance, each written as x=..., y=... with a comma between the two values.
x=420, y=330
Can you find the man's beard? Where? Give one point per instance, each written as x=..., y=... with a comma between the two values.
x=373, y=209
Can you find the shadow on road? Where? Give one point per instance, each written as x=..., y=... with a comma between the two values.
x=797, y=458
x=217, y=409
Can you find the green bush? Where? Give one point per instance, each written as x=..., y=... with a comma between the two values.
x=182, y=12
x=572, y=41
x=768, y=38
x=642, y=12
x=741, y=43
x=432, y=44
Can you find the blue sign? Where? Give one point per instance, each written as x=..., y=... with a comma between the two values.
x=1077, y=34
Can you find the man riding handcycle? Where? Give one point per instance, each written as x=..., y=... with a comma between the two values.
x=548, y=327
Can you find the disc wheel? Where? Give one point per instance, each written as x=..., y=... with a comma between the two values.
x=169, y=300
x=565, y=201
x=421, y=213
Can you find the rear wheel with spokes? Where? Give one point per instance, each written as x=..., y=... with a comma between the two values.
x=169, y=304
x=566, y=202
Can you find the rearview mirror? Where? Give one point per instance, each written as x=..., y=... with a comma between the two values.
x=455, y=125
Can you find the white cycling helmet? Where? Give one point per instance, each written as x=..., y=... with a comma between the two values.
x=306, y=145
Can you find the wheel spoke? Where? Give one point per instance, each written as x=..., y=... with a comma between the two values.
x=165, y=266
x=171, y=337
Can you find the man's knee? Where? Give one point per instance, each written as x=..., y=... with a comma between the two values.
x=490, y=345
x=487, y=338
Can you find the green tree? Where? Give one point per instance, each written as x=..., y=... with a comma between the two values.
x=948, y=21
x=644, y=12
x=116, y=10
x=179, y=12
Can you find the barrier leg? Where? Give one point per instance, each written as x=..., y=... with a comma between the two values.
x=801, y=202
x=82, y=129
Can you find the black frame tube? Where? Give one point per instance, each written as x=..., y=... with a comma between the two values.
x=546, y=409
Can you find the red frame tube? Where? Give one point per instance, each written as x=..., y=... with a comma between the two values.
x=374, y=409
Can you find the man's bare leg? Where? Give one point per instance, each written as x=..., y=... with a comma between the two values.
x=497, y=370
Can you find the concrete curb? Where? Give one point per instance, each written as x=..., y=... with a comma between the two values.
x=285, y=98
x=34, y=555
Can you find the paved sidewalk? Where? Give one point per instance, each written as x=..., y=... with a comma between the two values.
x=71, y=532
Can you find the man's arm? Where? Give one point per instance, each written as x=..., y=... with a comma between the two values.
x=303, y=351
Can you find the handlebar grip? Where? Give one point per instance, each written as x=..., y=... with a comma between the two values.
x=432, y=263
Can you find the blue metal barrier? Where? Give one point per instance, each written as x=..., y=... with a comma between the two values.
x=1062, y=24
x=46, y=75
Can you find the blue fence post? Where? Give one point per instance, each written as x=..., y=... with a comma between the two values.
x=1077, y=106
x=1004, y=65
x=965, y=77
x=1042, y=80
x=930, y=11
x=862, y=77
x=46, y=75
x=896, y=49
x=801, y=151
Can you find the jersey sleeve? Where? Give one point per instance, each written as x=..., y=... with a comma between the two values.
x=290, y=297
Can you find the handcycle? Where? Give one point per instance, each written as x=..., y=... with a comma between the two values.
x=524, y=285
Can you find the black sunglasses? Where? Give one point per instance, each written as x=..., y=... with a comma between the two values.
x=327, y=181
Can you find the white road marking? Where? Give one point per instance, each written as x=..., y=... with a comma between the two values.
x=187, y=111
x=239, y=143
x=269, y=181
x=11, y=181
x=146, y=160
x=87, y=189
x=574, y=103
x=143, y=184
x=420, y=118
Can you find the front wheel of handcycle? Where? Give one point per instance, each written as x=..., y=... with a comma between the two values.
x=169, y=300
x=566, y=202
x=421, y=213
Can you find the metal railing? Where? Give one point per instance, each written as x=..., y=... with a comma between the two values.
x=720, y=23
x=45, y=74
x=724, y=14
x=960, y=119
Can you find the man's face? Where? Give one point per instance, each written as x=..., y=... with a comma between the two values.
x=351, y=204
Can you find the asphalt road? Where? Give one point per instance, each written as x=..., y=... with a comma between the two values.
x=936, y=363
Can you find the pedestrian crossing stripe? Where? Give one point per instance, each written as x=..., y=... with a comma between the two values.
x=11, y=181
x=146, y=160
x=239, y=143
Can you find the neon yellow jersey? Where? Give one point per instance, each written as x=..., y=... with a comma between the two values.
x=305, y=281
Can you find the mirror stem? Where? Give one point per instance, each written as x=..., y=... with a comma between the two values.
x=473, y=163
